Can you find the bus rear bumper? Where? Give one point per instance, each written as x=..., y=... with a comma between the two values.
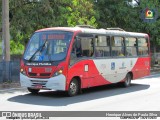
x=54, y=83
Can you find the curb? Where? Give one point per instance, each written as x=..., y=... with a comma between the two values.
x=7, y=87
x=11, y=90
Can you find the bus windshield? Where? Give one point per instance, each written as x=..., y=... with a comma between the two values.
x=48, y=46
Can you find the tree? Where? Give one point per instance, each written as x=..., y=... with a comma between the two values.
x=81, y=12
x=118, y=14
x=30, y=15
x=114, y=13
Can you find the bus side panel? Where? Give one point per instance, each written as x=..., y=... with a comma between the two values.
x=106, y=71
x=141, y=68
x=115, y=70
x=77, y=70
x=102, y=71
x=87, y=71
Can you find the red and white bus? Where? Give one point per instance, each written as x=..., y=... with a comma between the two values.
x=72, y=58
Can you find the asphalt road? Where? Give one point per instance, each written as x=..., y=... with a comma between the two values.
x=142, y=95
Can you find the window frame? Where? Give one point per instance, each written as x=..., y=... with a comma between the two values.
x=122, y=47
x=108, y=41
x=132, y=46
x=148, y=49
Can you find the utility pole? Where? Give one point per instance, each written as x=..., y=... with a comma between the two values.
x=5, y=30
x=5, y=38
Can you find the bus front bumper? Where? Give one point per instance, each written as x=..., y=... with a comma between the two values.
x=54, y=83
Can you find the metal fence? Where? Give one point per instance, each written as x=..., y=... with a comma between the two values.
x=1, y=71
x=12, y=71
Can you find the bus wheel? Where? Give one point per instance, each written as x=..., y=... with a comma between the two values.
x=73, y=87
x=33, y=91
x=127, y=81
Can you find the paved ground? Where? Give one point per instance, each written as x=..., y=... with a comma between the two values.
x=143, y=95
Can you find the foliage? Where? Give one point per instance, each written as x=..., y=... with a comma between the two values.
x=30, y=15
x=118, y=14
x=80, y=13
x=17, y=47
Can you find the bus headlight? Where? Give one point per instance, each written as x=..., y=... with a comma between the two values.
x=60, y=71
x=23, y=71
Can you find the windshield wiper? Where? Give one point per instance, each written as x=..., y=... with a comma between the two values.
x=39, y=49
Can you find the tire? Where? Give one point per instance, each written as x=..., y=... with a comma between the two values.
x=73, y=87
x=33, y=91
x=127, y=81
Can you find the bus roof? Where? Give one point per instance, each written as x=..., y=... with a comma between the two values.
x=96, y=31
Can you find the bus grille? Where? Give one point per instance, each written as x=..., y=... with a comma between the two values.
x=45, y=74
x=40, y=75
x=32, y=74
x=38, y=82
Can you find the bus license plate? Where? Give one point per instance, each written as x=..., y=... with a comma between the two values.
x=38, y=86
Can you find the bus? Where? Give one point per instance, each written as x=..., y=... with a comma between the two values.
x=72, y=58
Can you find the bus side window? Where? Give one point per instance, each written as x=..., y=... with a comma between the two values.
x=143, y=49
x=78, y=48
x=76, y=51
x=102, y=46
x=118, y=46
x=87, y=47
x=131, y=46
